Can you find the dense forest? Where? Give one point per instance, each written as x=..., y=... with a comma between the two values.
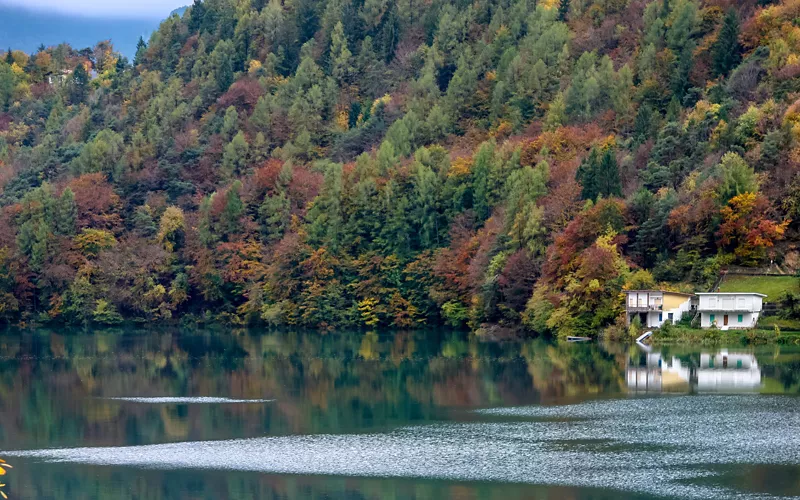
x=403, y=163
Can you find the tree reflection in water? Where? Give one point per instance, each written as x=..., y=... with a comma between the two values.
x=56, y=384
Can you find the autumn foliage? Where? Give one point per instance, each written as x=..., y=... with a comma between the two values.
x=360, y=164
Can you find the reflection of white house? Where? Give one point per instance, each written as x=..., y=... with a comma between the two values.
x=655, y=307
x=720, y=372
x=658, y=375
x=726, y=371
x=730, y=310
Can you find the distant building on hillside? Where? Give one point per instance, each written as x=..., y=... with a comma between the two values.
x=730, y=310
x=655, y=307
x=59, y=77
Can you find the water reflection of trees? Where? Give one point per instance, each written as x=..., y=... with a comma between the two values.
x=52, y=383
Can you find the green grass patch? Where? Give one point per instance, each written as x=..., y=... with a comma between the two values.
x=769, y=323
x=764, y=334
x=771, y=286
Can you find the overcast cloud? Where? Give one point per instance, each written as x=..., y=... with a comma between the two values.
x=117, y=8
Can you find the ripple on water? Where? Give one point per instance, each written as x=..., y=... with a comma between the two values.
x=661, y=446
x=189, y=400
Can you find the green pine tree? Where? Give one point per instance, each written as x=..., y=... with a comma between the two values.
x=587, y=175
x=230, y=219
x=66, y=214
x=341, y=57
x=563, y=10
x=141, y=48
x=235, y=156
x=727, y=51
x=79, y=85
x=222, y=61
x=608, y=181
x=275, y=215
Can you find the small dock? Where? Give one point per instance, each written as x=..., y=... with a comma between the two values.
x=578, y=339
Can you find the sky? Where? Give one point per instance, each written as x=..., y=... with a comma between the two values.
x=135, y=9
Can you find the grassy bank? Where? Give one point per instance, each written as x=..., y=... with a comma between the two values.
x=771, y=286
x=785, y=325
x=765, y=333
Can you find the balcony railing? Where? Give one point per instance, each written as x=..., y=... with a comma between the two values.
x=645, y=307
x=729, y=309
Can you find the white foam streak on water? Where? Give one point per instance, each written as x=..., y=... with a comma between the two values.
x=642, y=445
x=196, y=400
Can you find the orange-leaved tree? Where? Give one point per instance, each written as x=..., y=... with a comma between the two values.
x=747, y=230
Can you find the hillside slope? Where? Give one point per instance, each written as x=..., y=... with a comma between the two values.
x=374, y=163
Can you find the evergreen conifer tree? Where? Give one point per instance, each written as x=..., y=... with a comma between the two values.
x=341, y=57
x=727, y=51
x=563, y=10
x=67, y=213
x=587, y=175
x=141, y=46
x=608, y=181
x=79, y=85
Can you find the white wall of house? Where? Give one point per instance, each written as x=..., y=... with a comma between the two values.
x=736, y=319
x=730, y=302
x=657, y=319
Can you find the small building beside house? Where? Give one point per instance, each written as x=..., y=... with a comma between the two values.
x=730, y=310
x=655, y=307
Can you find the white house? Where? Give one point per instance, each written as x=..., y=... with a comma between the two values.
x=730, y=310
x=655, y=307
x=59, y=78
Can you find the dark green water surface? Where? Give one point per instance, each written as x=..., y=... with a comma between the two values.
x=435, y=414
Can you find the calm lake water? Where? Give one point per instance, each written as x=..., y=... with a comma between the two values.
x=240, y=415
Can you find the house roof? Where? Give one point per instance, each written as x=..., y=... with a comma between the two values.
x=734, y=293
x=659, y=291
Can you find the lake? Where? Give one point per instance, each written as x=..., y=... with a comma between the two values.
x=237, y=415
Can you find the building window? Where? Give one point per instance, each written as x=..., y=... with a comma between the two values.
x=660, y=317
x=713, y=318
x=741, y=318
x=670, y=316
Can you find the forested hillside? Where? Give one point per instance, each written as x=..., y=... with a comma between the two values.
x=400, y=163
